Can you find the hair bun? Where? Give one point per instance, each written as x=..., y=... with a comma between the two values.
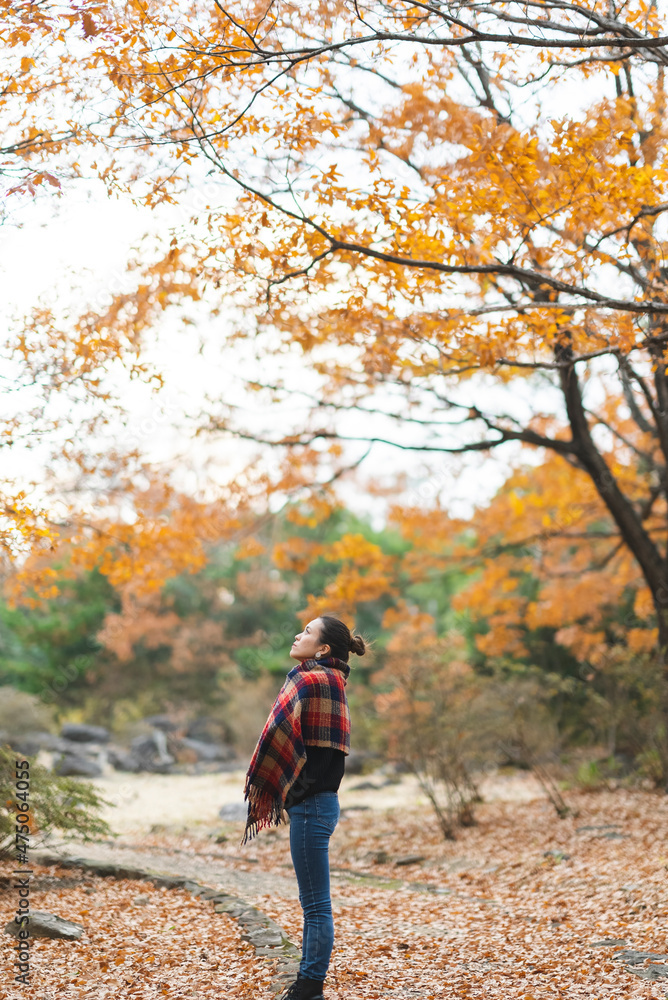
x=357, y=645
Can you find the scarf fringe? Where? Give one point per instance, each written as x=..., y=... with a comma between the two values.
x=263, y=811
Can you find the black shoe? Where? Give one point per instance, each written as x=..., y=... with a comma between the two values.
x=311, y=989
x=304, y=989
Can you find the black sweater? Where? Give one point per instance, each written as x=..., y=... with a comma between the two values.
x=322, y=772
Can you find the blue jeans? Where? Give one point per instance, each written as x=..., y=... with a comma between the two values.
x=312, y=823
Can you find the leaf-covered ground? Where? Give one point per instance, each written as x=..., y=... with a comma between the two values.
x=505, y=919
x=139, y=942
x=513, y=909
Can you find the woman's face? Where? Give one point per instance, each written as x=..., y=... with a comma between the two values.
x=307, y=645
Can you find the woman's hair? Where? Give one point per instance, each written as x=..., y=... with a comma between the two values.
x=336, y=634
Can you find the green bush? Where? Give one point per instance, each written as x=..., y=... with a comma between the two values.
x=22, y=711
x=55, y=803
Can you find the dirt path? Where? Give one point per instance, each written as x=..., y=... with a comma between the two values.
x=210, y=868
x=146, y=803
x=148, y=813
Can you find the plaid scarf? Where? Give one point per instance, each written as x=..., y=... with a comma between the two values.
x=311, y=708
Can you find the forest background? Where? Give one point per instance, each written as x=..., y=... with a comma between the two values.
x=379, y=235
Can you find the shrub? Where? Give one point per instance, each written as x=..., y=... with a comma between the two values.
x=55, y=803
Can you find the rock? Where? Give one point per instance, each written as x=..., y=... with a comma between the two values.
x=47, y=925
x=208, y=751
x=121, y=760
x=75, y=764
x=101, y=868
x=208, y=894
x=164, y=881
x=162, y=722
x=32, y=742
x=631, y=957
x=141, y=900
x=151, y=752
x=596, y=826
x=81, y=733
x=608, y=943
x=233, y=907
x=650, y=971
x=160, y=767
x=380, y=857
x=263, y=937
x=194, y=888
x=410, y=859
x=234, y=812
x=208, y=730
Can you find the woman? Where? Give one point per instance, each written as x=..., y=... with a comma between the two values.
x=298, y=765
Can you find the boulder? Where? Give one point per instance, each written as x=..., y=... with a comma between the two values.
x=163, y=722
x=151, y=752
x=81, y=733
x=31, y=743
x=47, y=925
x=122, y=760
x=75, y=764
x=207, y=729
x=206, y=750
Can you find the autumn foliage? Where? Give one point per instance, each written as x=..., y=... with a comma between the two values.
x=453, y=221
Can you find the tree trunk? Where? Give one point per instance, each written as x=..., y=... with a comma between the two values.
x=627, y=519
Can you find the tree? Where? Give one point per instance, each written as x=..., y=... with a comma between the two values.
x=429, y=700
x=380, y=190
x=54, y=803
x=50, y=651
x=45, y=355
